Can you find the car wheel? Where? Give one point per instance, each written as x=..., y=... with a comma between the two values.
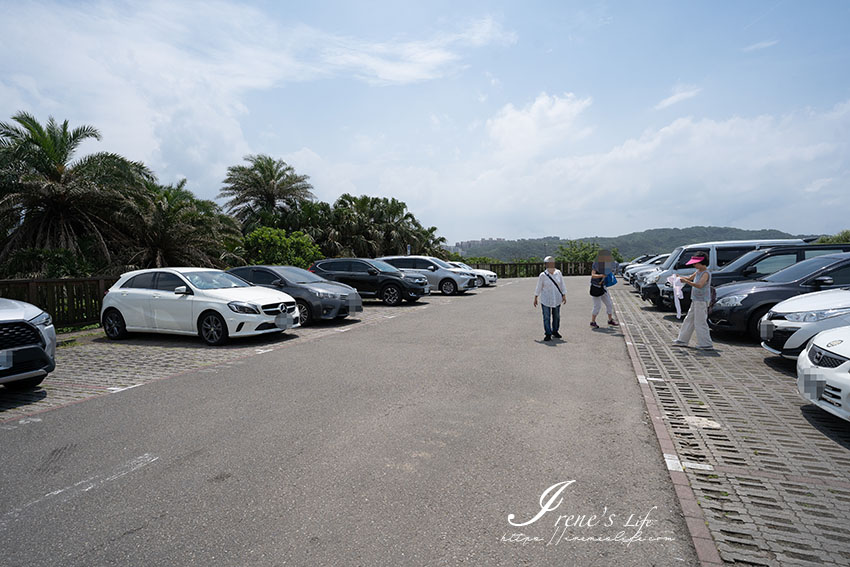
x=391, y=295
x=212, y=328
x=304, y=315
x=656, y=301
x=481, y=282
x=28, y=384
x=753, y=323
x=448, y=287
x=113, y=325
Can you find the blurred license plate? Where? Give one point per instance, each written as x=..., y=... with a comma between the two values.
x=5, y=359
x=283, y=321
x=766, y=330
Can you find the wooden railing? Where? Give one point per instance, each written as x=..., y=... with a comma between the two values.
x=70, y=302
x=521, y=270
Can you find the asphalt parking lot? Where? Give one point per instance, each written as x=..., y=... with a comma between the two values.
x=770, y=471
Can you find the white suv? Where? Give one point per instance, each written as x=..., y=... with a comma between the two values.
x=27, y=345
x=802, y=317
x=441, y=275
x=195, y=301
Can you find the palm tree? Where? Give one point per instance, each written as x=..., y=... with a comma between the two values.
x=48, y=200
x=174, y=228
x=257, y=191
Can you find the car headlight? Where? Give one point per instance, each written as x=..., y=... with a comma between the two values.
x=326, y=294
x=43, y=319
x=730, y=300
x=813, y=316
x=652, y=278
x=242, y=307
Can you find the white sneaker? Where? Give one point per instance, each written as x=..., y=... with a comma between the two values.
x=679, y=343
x=705, y=348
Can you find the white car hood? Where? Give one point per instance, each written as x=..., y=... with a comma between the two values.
x=483, y=272
x=254, y=294
x=835, y=340
x=817, y=301
x=11, y=310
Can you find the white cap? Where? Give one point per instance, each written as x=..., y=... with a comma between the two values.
x=548, y=259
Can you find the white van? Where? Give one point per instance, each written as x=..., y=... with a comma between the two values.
x=719, y=254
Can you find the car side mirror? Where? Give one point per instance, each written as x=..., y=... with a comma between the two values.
x=823, y=280
x=278, y=282
x=372, y=271
x=748, y=271
x=432, y=268
x=182, y=290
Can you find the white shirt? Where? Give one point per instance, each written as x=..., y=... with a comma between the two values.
x=549, y=294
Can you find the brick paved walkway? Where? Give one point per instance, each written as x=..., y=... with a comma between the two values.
x=94, y=366
x=770, y=472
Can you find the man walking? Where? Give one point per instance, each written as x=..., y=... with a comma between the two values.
x=552, y=293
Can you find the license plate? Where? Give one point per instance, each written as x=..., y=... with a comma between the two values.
x=283, y=321
x=5, y=359
x=766, y=330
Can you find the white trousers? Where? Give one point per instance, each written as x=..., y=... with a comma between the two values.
x=696, y=320
x=598, y=301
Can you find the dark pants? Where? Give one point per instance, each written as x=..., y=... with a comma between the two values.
x=555, y=314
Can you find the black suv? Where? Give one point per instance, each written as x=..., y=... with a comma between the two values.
x=757, y=264
x=372, y=278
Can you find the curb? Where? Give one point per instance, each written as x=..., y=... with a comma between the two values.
x=704, y=544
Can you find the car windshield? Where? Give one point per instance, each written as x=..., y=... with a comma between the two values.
x=738, y=264
x=462, y=265
x=383, y=266
x=800, y=270
x=441, y=263
x=656, y=258
x=214, y=280
x=297, y=275
x=671, y=259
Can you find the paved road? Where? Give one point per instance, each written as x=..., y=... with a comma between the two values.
x=402, y=443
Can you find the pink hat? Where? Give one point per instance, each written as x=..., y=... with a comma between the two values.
x=699, y=259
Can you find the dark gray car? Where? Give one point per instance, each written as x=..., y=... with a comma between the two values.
x=317, y=297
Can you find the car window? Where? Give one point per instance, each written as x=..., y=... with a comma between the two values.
x=402, y=262
x=819, y=252
x=741, y=262
x=800, y=270
x=141, y=281
x=358, y=267
x=421, y=264
x=244, y=273
x=214, y=279
x=672, y=258
x=771, y=264
x=840, y=276
x=263, y=277
x=298, y=275
x=383, y=266
x=441, y=264
x=168, y=281
x=335, y=266
x=687, y=255
x=726, y=255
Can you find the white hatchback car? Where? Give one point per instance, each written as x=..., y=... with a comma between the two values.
x=194, y=301
x=798, y=319
x=823, y=371
x=485, y=277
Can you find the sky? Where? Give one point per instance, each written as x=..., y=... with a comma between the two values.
x=489, y=119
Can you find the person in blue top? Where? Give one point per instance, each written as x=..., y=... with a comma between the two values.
x=603, y=266
x=697, y=317
x=552, y=293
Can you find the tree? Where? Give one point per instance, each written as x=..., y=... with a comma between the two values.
x=582, y=251
x=272, y=246
x=257, y=192
x=50, y=201
x=839, y=238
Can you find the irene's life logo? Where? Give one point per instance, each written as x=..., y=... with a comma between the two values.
x=602, y=526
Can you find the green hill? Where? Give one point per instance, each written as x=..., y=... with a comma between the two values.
x=656, y=240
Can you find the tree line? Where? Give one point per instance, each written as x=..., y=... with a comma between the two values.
x=103, y=214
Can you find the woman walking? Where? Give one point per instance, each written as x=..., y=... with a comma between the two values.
x=552, y=293
x=697, y=317
x=603, y=265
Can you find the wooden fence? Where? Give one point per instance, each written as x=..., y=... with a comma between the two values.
x=70, y=302
x=521, y=270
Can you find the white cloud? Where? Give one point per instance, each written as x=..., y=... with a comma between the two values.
x=680, y=93
x=760, y=45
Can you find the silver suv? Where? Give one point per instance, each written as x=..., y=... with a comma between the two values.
x=441, y=275
x=27, y=345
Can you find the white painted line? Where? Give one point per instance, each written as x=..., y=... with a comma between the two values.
x=81, y=487
x=116, y=389
x=655, y=379
x=698, y=466
x=342, y=330
x=24, y=421
x=263, y=350
x=673, y=463
x=389, y=316
x=642, y=379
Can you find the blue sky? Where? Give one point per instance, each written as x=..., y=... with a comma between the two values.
x=488, y=119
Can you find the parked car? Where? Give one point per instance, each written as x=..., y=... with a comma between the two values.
x=445, y=277
x=740, y=306
x=486, y=278
x=790, y=324
x=719, y=254
x=757, y=264
x=373, y=278
x=636, y=260
x=823, y=372
x=27, y=345
x=632, y=270
x=316, y=297
x=194, y=301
